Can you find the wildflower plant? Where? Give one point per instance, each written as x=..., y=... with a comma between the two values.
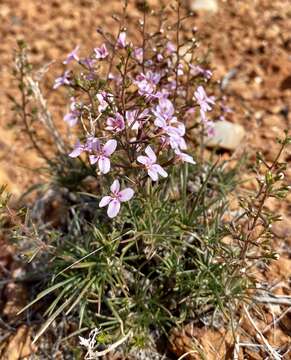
x=144, y=250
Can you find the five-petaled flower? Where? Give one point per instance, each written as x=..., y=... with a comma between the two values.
x=116, y=198
x=101, y=154
x=150, y=163
x=72, y=56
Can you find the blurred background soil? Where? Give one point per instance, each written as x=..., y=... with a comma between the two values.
x=250, y=43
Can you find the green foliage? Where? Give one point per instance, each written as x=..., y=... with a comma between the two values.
x=158, y=264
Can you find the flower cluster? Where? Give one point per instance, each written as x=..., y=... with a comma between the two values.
x=133, y=121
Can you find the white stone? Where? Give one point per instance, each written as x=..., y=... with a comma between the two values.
x=206, y=5
x=226, y=135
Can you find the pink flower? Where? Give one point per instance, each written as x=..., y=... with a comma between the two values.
x=115, y=124
x=205, y=102
x=121, y=41
x=149, y=161
x=102, y=155
x=62, y=80
x=177, y=142
x=135, y=119
x=184, y=157
x=80, y=148
x=170, y=47
x=104, y=99
x=102, y=52
x=72, y=56
x=147, y=83
x=180, y=71
x=116, y=198
x=160, y=57
x=73, y=116
x=174, y=141
x=198, y=70
x=164, y=110
x=138, y=54
x=166, y=120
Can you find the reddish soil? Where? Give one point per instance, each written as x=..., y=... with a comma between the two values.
x=251, y=50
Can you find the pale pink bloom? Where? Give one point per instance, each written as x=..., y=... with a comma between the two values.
x=160, y=57
x=135, y=119
x=73, y=116
x=80, y=148
x=104, y=100
x=115, y=123
x=138, y=54
x=116, y=198
x=149, y=161
x=166, y=120
x=72, y=56
x=184, y=157
x=101, y=53
x=101, y=154
x=170, y=47
x=210, y=128
x=62, y=80
x=174, y=141
x=169, y=129
x=121, y=41
x=205, y=102
x=180, y=71
x=147, y=83
x=198, y=70
x=164, y=110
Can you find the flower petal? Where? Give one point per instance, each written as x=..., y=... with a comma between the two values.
x=93, y=159
x=77, y=150
x=115, y=186
x=161, y=123
x=143, y=159
x=150, y=153
x=113, y=208
x=105, y=201
x=188, y=158
x=153, y=174
x=71, y=119
x=126, y=194
x=104, y=164
x=160, y=170
x=109, y=147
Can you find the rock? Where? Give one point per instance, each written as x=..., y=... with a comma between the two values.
x=205, y=5
x=226, y=135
